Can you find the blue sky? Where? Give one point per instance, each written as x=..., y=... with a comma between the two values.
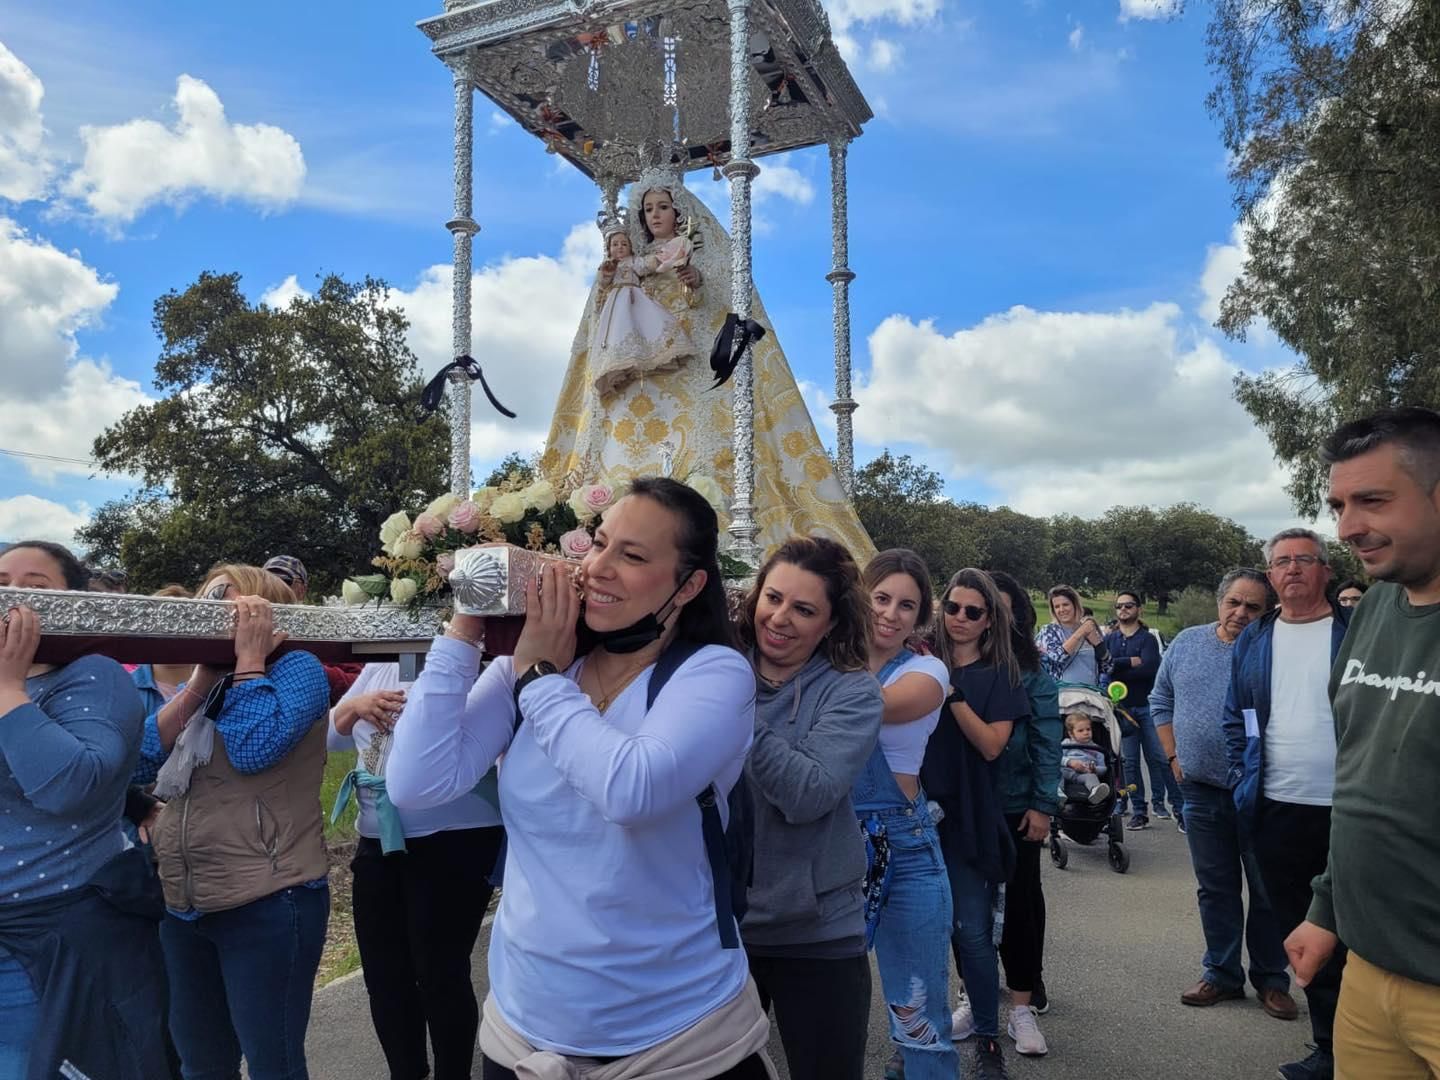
x=1040, y=223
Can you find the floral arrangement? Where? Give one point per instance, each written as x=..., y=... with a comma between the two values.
x=417, y=554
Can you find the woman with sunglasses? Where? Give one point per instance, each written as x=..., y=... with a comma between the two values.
x=238, y=756
x=987, y=700
x=909, y=904
x=1030, y=770
x=817, y=717
x=1072, y=648
x=81, y=975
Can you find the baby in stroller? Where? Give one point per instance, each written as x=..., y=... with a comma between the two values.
x=1082, y=762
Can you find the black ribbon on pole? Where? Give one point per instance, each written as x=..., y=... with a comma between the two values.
x=730, y=344
x=434, y=393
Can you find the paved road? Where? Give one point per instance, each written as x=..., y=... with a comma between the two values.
x=1120, y=949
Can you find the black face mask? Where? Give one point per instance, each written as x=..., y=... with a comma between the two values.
x=644, y=631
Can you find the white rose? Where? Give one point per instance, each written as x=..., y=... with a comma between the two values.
x=403, y=590
x=392, y=528
x=353, y=594
x=508, y=508
x=539, y=496
x=580, y=506
x=483, y=497
x=408, y=546
x=442, y=506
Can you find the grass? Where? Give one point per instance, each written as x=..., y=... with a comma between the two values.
x=342, y=954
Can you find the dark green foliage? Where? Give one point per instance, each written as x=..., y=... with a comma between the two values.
x=1331, y=111
x=296, y=430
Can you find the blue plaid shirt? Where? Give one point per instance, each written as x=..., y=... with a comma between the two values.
x=262, y=719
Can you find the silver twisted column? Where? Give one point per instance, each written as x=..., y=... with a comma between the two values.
x=462, y=229
x=840, y=276
x=740, y=170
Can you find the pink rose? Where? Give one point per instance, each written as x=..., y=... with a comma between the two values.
x=576, y=544
x=598, y=497
x=429, y=525
x=444, y=563
x=466, y=517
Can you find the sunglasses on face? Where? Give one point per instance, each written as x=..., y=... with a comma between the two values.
x=1125, y=605
x=973, y=613
x=218, y=591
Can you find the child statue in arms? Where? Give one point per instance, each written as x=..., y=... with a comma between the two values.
x=633, y=335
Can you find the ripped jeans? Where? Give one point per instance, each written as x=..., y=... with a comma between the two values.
x=910, y=945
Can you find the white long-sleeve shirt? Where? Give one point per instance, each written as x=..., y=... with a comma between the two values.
x=465, y=811
x=605, y=942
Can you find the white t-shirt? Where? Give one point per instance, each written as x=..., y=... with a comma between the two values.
x=904, y=744
x=1300, y=736
x=468, y=811
x=605, y=942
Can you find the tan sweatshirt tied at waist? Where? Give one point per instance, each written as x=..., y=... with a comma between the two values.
x=708, y=1048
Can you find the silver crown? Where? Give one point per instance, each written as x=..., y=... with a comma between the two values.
x=609, y=222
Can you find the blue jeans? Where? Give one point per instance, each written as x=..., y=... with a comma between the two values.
x=910, y=945
x=241, y=983
x=19, y=1012
x=1219, y=860
x=1161, y=778
x=972, y=939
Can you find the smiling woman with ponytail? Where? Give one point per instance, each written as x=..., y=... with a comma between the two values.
x=607, y=942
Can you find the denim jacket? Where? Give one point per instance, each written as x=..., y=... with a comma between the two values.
x=1250, y=689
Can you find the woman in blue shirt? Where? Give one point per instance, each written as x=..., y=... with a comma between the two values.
x=77, y=909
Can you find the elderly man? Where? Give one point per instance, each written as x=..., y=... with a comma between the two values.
x=1380, y=891
x=1188, y=708
x=1280, y=740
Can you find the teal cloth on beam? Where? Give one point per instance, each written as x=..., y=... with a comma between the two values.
x=392, y=830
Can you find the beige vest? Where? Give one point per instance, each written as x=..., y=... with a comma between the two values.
x=234, y=838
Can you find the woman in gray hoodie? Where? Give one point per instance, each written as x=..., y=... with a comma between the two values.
x=806, y=625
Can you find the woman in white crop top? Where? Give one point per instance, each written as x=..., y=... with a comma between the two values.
x=606, y=943
x=913, y=926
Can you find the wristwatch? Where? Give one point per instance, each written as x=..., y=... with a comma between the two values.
x=537, y=670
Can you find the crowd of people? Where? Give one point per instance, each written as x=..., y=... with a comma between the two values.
x=699, y=821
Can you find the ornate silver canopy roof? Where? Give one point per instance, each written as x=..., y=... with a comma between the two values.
x=615, y=85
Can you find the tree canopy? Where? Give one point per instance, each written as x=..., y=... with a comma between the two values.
x=1157, y=552
x=1331, y=112
x=294, y=430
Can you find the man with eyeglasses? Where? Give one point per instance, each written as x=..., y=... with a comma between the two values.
x=1135, y=659
x=1380, y=890
x=1280, y=744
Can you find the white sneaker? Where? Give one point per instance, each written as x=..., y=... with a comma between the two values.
x=962, y=1020
x=1025, y=1030
x=1100, y=794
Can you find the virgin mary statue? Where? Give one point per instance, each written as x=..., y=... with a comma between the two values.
x=624, y=421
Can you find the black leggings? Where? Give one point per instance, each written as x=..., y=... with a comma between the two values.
x=822, y=1008
x=417, y=916
x=1022, y=944
x=752, y=1068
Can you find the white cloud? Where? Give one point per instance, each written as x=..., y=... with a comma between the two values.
x=24, y=167
x=777, y=180
x=847, y=13
x=884, y=55
x=65, y=422
x=279, y=296
x=499, y=121
x=1021, y=400
x=1223, y=263
x=1077, y=37
x=26, y=517
x=46, y=295
x=131, y=166
x=1149, y=9
x=525, y=313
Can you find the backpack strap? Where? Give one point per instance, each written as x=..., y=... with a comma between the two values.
x=711, y=827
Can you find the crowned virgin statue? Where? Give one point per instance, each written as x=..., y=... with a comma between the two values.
x=638, y=399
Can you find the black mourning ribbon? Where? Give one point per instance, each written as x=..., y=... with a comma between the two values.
x=727, y=351
x=434, y=392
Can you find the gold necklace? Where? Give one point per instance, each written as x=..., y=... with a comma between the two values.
x=607, y=695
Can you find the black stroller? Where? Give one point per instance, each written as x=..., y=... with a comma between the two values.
x=1082, y=821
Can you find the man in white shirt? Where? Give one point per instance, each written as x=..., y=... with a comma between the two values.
x=1280, y=741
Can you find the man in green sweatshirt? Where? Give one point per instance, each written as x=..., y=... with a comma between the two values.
x=1380, y=892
